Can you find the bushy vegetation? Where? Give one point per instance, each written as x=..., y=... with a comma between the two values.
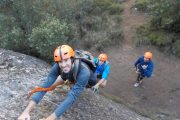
x=166, y=42
x=11, y=36
x=164, y=27
x=166, y=14
x=45, y=37
x=109, y=6
x=177, y=47
x=141, y=4
x=36, y=27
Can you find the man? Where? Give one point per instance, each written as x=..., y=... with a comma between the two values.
x=144, y=67
x=102, y=70
x=63, y=70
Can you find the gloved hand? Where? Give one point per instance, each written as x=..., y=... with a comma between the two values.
x=95, y=88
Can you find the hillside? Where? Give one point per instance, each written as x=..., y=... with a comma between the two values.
x=20, y=73
x=108, y=25
x=159, y=95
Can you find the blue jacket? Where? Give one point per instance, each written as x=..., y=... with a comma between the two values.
x=84, y=77
x=103, y=69
x=144, y=72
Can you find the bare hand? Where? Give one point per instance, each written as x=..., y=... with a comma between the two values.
x=24, y=116
x=42, y=119
x=137, y=70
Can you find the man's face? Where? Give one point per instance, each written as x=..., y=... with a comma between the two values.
x=65, y=65
x=146, y=59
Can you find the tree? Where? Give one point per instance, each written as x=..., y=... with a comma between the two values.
x=50, y=33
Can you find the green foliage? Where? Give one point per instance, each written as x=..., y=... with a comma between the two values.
x=5, y=2
x=108, y=5
x=166, y=14
x=48, y=35
x=164, y=25
x=63, y=9
x=165, y=42
x=96, y=19
x=146, y=36
x=177, y=48
x=21, y=17
x=102, y=40
x=159, y=38
x=13, y=39
x=141, y=35
x=141, y=4
x=98, y=40
x=28, y=14
x=115, y=8
x=11, y=35
x=115, y=36
x=117, y=19
x=93, y=23
x=27, y=23
x=103, y=4
x=104, y=23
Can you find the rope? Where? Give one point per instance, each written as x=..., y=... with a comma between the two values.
x=41, y=89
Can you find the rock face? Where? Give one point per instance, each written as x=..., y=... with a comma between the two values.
x=20, y=73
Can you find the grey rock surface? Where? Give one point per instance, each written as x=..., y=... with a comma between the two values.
x=20, y=73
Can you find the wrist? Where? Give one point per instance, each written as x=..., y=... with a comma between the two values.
x=97, y=85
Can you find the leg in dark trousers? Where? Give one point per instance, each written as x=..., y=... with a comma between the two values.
x=139, y=78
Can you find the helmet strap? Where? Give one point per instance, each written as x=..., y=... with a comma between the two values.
x=60, y=53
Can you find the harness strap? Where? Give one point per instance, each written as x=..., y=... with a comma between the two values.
x=77, y=63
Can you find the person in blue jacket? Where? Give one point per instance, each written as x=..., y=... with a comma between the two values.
x=63, y=70
x=102, y=70
x=144, y=67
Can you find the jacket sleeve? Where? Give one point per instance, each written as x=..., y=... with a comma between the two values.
x=51, y=78
x=106, y=72
x=149, y=70
x=137, y=62
x=95, y=60
x=82, y=80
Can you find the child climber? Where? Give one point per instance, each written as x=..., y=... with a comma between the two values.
x=144, y=67
x=102, y=71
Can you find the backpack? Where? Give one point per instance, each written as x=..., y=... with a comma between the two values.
x=83, y=56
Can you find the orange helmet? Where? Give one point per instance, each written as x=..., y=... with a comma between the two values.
x=63, y=52
x=103, y=57
x=148, y=55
